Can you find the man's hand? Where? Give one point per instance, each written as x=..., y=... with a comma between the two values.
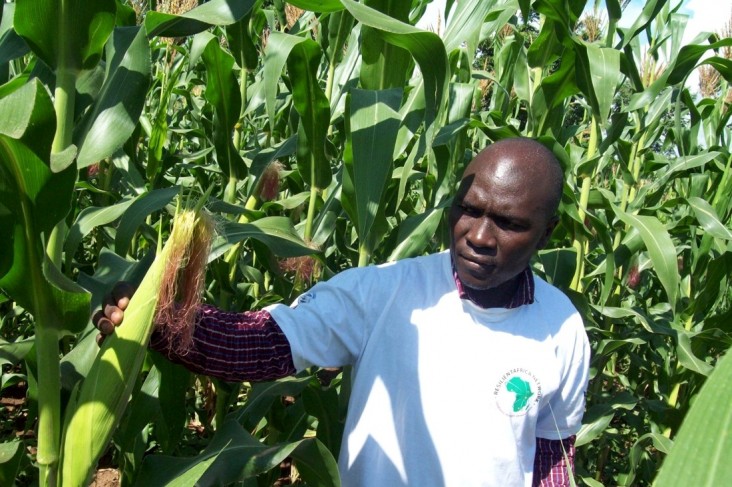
x=113, y=309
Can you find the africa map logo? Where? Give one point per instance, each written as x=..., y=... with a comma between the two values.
x=517, y=392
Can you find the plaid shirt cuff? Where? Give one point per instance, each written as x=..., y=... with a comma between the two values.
x=234, y=347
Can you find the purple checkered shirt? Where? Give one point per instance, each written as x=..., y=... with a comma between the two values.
x=250, y=346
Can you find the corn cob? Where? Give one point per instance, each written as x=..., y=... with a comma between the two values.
x=97, y=406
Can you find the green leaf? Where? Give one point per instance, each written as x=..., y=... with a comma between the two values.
x=335, y=34
x=137, y=212
x=12, y=46
x=199, y=19
x=708, y=218
x=651, y=8
x=415, y=234
x=262, y=395
x=81, y=27
x=374, y=124
x=689, y=56
x=222, y=92
x=703, y=439
x=89, y=218
x=384, y=65
x=28, y=116
x=465, y=23
x=36, y=199
x=598, y=76
x=559, y=265
x=314, y=109
x=565, y=13
x=278, y=50
x=660, y=248
x=233, y=455
x=242, y=44
x=595, y=422
x=12, y=454
x=70, y=301
x=276, y=232
x=117, y=109
x=12, y=353
x=687, y=357
x=425, y=47
x=561, y=84
x=547, y=47
x=677, y=168
x=318, y=5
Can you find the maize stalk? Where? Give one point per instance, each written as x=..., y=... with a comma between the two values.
x=163, y=297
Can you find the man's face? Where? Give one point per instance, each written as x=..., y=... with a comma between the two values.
x=498, y=220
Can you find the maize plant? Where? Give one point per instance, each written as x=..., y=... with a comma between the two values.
x=95, y=410
x=109, y=109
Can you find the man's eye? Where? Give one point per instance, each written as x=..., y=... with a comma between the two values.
x=469, y=210
x=510, y=225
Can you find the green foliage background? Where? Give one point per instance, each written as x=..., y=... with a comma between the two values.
x=331, y=134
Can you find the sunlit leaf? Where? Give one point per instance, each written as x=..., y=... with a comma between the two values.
x=702, y=441
x=374, y=123
x=708, y=218
x=118, y=107
x=214, y=12
x=276, y=232
x=660, y=248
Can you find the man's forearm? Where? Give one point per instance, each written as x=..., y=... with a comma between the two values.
x=234, y=347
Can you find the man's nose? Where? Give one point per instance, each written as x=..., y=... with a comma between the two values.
x=482, y=234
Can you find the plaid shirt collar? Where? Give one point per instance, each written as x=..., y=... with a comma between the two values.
x=524, y=291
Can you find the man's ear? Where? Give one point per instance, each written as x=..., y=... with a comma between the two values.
x=550, y=226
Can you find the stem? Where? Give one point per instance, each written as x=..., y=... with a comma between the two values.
x=64, y=100
x=233, y=253
x=535, y=82
x=49, y=400
x=65, y=91
x=581, y=244
x=363, y=255
x=311, y=209
x=49, y=372
x=673, y=398
x=230, y=191
x=46, y=333
x=329, y=89
x=722, y=184
x=243, y=88
x=239, y=129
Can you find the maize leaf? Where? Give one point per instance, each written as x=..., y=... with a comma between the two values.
x=97, y=406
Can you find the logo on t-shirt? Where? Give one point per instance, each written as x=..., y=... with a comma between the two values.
x=304, y=299
x=517, y=392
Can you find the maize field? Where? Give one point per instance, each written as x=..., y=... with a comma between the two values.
x=319, y=135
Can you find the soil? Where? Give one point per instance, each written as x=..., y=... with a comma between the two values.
x=106, y=477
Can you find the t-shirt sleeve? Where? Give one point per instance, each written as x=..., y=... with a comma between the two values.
x=561, y=417
x=326, y=325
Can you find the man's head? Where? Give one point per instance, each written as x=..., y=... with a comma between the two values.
x=503, y=212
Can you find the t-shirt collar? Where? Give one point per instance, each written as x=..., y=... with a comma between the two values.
x=524, y=291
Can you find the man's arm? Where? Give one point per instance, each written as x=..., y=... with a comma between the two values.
x=234, y=347
x=553, y=462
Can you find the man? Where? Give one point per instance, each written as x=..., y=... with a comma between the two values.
x=467, y=368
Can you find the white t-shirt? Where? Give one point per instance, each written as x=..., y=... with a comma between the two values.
x=444, y=392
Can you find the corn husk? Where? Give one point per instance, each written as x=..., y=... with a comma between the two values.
x=98, y=405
